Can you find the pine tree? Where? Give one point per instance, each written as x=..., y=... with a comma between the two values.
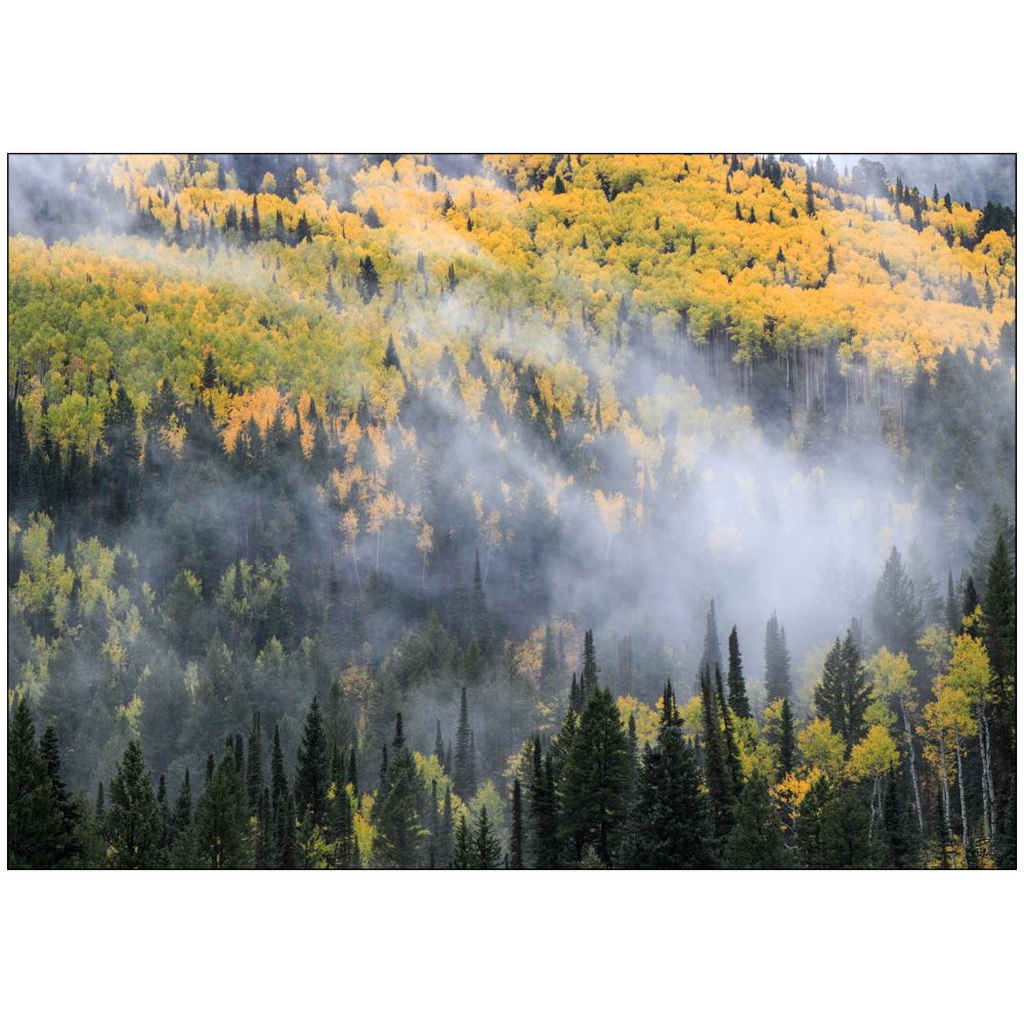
x=34, y=823
x=776, y=661
x=313, y=776
x=670, y=825
x=516, y=847
x=486, y=848
x=843, y=694
x=543, y=831
x=463, y=855
x=738, y=702
x=218, y=835
x=588, y=675
x=68, y=847
x=396, y=809
x=278, y=779
x=285, y=844
x=716, y=761
x=595, y=778
x=712, y=651
x=896, y=609
x=464, y=778
x=446, y=840
x=755, y=841
x=182, y=816
x=133, y=821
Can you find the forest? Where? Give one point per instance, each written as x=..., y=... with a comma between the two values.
x=523, y=511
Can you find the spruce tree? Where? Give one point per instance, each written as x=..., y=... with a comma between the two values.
x=776, y=661
x=716, y=761
x=595, y=778
x=486, y=848
x=278, y=779
x=218, y=836
x=755, y=841
x=712, y=655
x=464, y=778
x=588, y=675
x=543, y=832
x=463, y=854
x=896, y=609
x=738, y=702
x=69, y=848
x=670, y=825
x=844, y=693
x=396, y=814
x=34, y=823
x=133, y=821
x=313, y=776
x=254, y=766
x=516, y=846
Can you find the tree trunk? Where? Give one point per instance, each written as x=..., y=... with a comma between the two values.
x=913, y=765
x=960, y=787
x=947, y=814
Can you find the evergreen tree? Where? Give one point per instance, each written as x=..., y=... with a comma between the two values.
x=463, y=855
x=543, y=831
x=286, y=847
x=396, y=810
x=716, y=761
x=133, y=821
x=313, y=776
x=843, y=694
x=595, y=778
x=776, y=661
x=486, y=848
x=712, y=651
x=670, y=825
x=738, y=702
x=278, y=780
x=254, y=766
x=34, y=823
x=896, y=609
x=218, y=835
x=68, y=848
x=756, y=839
x=588, y=675
x=516, y=848
x=464, y=778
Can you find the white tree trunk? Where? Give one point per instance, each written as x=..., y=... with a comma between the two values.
x=913, y=765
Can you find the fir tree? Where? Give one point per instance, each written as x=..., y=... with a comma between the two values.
x=218, y=835
x=464, y=778
x=463, y=855
x=313, y=776
x=896, y=609
x=595, y=778
x=843, y=694
x=278, y=779
x=776, y=661
x=133, y=821
x=670, y=825
x=486, y=848
x=34, y=824
x=516, y=848
x=738, y=702
x=755, y=841
x=396, y=809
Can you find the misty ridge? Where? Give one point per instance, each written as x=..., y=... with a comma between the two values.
x=396, y=494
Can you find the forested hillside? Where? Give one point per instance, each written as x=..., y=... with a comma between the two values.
x=527, y=511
